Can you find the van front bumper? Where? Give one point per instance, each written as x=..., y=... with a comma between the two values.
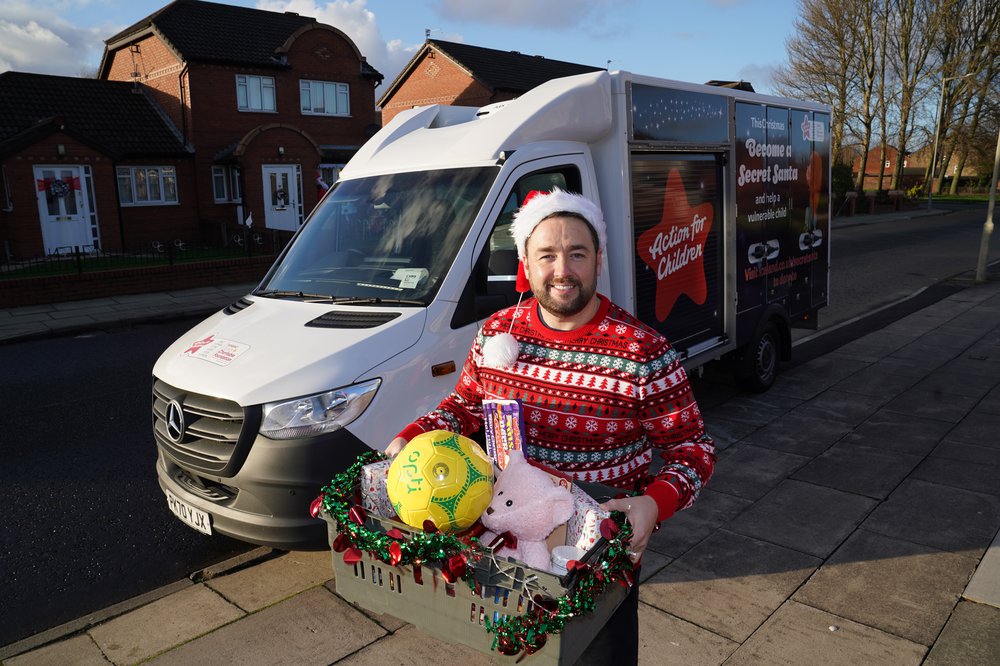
x=266, y=501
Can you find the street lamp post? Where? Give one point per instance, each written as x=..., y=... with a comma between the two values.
x=937, y=131
x=984, y=244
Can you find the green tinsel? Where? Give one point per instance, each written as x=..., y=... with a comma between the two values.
x=517, y=632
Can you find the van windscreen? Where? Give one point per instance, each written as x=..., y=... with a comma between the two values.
x=387, y=238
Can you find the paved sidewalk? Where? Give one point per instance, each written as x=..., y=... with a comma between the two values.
x=853, y=519
x=37, y=321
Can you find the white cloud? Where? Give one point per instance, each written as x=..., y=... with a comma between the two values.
x=761, y=76
x=33, y=39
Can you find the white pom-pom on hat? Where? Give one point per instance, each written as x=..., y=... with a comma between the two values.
x=501, y=351
x=539, y=206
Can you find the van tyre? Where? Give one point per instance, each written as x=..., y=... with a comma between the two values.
x=759, y=365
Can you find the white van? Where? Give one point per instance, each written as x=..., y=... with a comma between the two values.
x=717, y=205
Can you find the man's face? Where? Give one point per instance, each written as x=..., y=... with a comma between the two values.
x=562, y=266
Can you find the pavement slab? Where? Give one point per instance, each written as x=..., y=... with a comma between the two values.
x=943, y=517
x=971, y=636
x=984, y=588
x=729, y=584
x=687, y=528
x=799, y=634
x=665, y=639
x=862, y=470
x=960, y=474
x=725, y=433
x=411, y=647
x=810, y=379
x=886, y=378
x=932, y=405
x=899, y=587
x=79, y=651
x=922, y=357
x=267, y=583
x=799, y=434
x=804, y=517
x=753, y=409
x=147, y=631
x=875, y=346
x=892, y=431
x=316, y=627
x=751, y=471
x=956, y=382
x=979, y=427
x=991, y=403
x=390, y=623
x=985, y=453
x=843, y=406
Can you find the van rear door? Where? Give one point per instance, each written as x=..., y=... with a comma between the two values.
x=677, y=210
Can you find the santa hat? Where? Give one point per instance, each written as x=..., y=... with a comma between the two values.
x=501, y=350
x=539, y=206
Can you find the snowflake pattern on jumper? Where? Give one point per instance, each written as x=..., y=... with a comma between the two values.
x=584, y=392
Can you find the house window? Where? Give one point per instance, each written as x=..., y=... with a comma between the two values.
x=147, y=185
x=226, y=184
x=254, y=93
x=324, y=98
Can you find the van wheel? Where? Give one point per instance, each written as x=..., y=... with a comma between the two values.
x=759, y=365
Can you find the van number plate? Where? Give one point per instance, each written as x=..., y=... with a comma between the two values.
x=196, y=518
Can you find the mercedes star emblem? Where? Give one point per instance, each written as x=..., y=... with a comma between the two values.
x=175, y=422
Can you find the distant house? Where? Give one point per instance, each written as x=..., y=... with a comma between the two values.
x=914, y=167
x=63, y=141
x=450, y=73
x=204, y=116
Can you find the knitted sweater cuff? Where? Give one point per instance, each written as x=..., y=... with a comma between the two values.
x=410, y=431
x=666, y=498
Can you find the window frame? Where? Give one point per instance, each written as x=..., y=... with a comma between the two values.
x=341, y=97
x=263, y=83
x=164, y=174
x=230, y=182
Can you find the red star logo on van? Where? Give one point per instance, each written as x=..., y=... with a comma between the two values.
x=675, y=248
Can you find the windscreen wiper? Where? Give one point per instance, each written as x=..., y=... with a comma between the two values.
x=278, y=293
x=376, y=300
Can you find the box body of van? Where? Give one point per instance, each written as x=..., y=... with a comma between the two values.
x=717, y=209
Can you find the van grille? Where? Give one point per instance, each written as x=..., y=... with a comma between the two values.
x=210, y=438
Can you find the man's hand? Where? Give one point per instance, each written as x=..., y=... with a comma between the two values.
x=641, y=512
x=395, y=446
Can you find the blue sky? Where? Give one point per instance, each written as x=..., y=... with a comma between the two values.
x=692, y=40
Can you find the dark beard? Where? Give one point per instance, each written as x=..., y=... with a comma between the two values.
x=561, y=308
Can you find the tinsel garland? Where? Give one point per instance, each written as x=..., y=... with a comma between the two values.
x=527, y=631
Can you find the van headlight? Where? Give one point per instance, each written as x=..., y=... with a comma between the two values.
x=317, y=414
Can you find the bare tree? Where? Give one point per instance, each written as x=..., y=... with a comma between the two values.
x=870, y=17
x=980, y=25
x=911, y=40
x=821, y=54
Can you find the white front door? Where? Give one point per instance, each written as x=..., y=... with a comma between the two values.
x=62, y=207
x=282, y=197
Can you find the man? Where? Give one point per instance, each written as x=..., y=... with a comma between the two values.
x=599, y=389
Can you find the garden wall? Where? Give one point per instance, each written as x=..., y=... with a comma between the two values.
x=59, y=288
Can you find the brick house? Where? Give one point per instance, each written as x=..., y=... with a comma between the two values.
x=246, y=107
x=459, y=74
x=62, y=141
x=914, y=167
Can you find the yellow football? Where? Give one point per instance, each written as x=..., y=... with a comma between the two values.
x=442, y=477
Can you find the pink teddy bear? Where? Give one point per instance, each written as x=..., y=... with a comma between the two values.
x=528, y=504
